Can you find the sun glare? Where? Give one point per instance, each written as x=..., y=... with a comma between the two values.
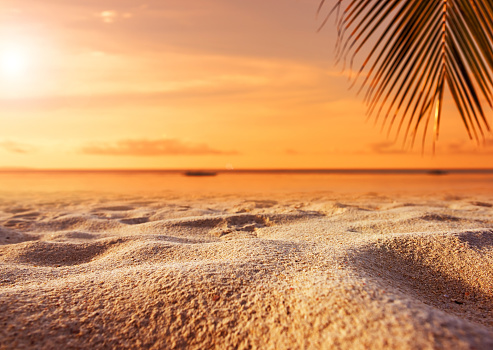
x=13, y=63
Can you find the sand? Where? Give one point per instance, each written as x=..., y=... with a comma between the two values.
x=282, y=271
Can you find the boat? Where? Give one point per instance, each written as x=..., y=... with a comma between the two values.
x=437, y=172
x=200, y=173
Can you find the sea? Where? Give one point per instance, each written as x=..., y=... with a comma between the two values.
x=454, y=181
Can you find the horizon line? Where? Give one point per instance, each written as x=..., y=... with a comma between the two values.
x=434, y=170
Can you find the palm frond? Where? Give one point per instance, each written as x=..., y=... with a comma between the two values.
x=416, y=50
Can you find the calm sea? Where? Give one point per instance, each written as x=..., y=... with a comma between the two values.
x=251, y=182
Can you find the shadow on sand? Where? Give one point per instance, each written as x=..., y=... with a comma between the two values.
x=452, y=272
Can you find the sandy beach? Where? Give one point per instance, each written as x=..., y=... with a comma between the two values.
x=318, y=270
x=232, y=174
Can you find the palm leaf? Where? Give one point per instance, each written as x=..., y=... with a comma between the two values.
x=417, y=49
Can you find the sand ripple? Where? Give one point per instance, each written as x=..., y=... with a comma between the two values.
x=361, y=272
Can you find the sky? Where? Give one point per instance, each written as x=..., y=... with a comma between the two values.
x=173, y=84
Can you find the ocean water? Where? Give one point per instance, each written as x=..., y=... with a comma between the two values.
x=259, y=182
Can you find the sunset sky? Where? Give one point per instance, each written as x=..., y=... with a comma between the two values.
x=190, y=84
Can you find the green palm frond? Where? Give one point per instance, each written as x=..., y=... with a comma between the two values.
x=417, y=50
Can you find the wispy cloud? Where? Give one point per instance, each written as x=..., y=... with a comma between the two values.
x=108, y=16
x=17, y=147
x=152, y=148
x=111, y=16
x=459, y=147
x=465, y=147
x=386, y=147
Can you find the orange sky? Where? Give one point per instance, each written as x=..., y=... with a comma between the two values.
x=189, y=84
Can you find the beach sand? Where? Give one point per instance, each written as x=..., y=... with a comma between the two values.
x=240, y=271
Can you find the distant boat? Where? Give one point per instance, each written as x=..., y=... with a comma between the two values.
x=200, y=173
x=437, y=172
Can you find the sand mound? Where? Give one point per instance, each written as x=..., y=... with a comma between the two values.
x=55, y=254
x=453, y=272
x=8, y=236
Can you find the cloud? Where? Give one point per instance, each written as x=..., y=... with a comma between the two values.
x=467, y=147
x=108, y=16
x=16, y=147
x=458, y=147
x=152, y=148
x=386, y=147
x=111, y=16
x=239, y=28
x=105, y=100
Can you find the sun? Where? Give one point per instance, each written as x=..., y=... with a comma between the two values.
x=14, y=62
